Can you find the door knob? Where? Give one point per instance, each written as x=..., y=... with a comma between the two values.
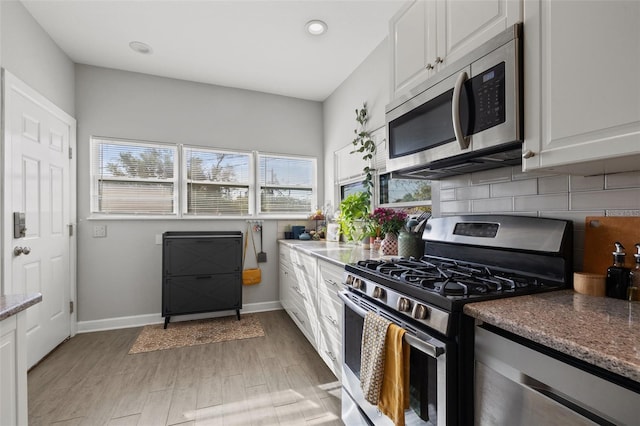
x=528, y=154
x=17, y=251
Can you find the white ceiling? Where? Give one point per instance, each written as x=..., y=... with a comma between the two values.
x=258, y=45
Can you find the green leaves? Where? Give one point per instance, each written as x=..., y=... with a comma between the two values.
x=363, y=144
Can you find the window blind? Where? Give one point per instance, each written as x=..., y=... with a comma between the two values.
x=286, y=184
x=217, y=182
x=133, y=177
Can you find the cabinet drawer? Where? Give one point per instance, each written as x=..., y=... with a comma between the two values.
x=193, y=294
x=285, y=255
x=331, y=276
x=307, y=326
x=196, y=256
x=330, y=315
x=330, y=351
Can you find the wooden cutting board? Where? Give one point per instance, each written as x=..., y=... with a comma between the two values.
x=601, y=233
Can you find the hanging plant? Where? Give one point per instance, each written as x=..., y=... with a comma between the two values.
x=366, y=146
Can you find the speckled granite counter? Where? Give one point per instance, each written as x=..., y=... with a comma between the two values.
x=338, y=253
x=601, y=331
x=14, y=303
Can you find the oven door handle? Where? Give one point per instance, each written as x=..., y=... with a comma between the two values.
x=423, y=346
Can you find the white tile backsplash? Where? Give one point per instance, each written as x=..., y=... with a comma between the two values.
x=622, y=180
x=454, y=207
x=472, y=192
x=541, y=202
x=610, y=199
x=491, y=205
x=521, y=187
x=502, y=174
x=553, y=184
x=586, y=183
x=447, y=194
x=541, y=194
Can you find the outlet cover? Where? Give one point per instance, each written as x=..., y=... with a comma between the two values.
x=99, y=231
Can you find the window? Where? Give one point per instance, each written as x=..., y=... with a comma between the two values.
x=286, y=184
x=154, y=179
x=404, y=192
x=133, y=177
x=216, y=182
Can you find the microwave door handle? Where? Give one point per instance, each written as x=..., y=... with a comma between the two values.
x=455, y=111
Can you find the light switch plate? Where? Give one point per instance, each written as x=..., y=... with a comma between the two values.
x=159, y=239
x=99, y=231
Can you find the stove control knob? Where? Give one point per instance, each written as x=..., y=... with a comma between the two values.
x=349, y=279
x=422, y=312
x=404, y=305
x=358, y=284
x=378, y=293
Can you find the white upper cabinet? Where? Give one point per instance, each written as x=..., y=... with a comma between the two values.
x=582, y=86
x=425, y=36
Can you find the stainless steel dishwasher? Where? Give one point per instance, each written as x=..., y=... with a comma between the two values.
x=517, y=385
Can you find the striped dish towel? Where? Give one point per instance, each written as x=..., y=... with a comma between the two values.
x=374, y=335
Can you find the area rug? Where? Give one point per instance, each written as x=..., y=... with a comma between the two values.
x=198, y=332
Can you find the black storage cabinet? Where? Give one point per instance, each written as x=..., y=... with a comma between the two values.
x=201, y=272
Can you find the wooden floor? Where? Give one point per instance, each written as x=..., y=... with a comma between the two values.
x=278, y=379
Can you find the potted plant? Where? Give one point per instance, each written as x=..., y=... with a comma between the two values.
x=390, y=222
x=354, y=216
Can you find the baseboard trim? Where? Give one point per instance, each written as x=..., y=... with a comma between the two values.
x=142, y=320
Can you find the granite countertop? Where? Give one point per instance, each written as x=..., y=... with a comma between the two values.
x=598, y=330
x=14, y=303
x=335, y=252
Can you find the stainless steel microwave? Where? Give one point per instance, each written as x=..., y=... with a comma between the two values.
x=466, y=118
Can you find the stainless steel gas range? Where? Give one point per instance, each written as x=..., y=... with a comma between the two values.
x=467, y=259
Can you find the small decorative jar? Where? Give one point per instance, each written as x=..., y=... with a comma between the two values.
x=389, y=246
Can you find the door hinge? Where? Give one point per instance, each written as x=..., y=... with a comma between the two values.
x=71, y=306
x=70, y=153
x=71, y=230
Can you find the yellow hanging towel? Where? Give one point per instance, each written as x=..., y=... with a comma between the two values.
x=394, y=395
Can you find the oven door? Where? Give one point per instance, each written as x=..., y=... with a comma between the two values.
x=428, y=370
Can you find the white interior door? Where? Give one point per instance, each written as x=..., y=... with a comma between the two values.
x=38, y=182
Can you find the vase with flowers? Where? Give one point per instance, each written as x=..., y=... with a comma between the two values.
x=390, y=222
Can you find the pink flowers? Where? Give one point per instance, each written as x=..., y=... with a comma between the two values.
x=389, y=220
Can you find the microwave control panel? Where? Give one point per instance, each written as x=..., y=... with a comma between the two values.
x=488, y=91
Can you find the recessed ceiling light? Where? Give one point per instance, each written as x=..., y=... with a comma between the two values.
x=140, y=47
x=316, y=27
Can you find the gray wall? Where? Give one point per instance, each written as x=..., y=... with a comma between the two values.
x=32, y=56
x=368, y=83
x=120, y=275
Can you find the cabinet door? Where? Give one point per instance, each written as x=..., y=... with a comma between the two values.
x=413, y=44
x=463, y=25
x=582, y=86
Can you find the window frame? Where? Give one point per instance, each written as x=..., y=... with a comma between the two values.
x=184, y=182
x=313, y=187
x=95, y=177
x=180, y=183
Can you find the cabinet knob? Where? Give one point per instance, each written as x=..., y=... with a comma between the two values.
x=439, y=60
x=528, y=154
x=429, y=66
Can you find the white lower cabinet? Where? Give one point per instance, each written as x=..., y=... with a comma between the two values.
x=309, y=294
x=13, y=364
